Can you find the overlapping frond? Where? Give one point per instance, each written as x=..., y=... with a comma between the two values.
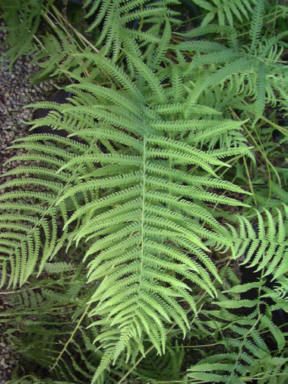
x=31, y=223
x=251, y=347
x=226, y=11
x=248, y=70
x=263, y=246
x=133, y=25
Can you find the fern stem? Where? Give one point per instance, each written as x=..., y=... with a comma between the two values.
x=250, y=330
x=274, y=125
x=259, y=148
x=249, y=180
x=71, y=337
x=77, y=33
x=143, y=213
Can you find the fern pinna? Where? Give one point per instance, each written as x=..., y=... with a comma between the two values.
x=263, y=246
x=137, y=195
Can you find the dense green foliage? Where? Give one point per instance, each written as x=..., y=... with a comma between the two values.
x=143, y=232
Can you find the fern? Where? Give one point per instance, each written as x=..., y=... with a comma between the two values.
x=126, y=229
x=57, y=56
x=247, y=69
x=122, y=236
x=257, y=23
x=227, y=12
x=243, y=353
x=265, y=246
x=130, y=25
x=22, y=19
x=140, y=188
x=167, y=367
x=49, y=335
x=32, y=203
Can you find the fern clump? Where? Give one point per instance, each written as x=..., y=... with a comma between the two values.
x=141, y=205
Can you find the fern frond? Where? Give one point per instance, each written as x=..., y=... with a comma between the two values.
x=22, y=20
x=131, y=26
x=38, y=241
x=242, y=349
x=227, y=12
x=257, y=23
x=133, y=268
x=265, y=246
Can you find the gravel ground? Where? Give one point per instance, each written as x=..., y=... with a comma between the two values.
x=15, y=92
